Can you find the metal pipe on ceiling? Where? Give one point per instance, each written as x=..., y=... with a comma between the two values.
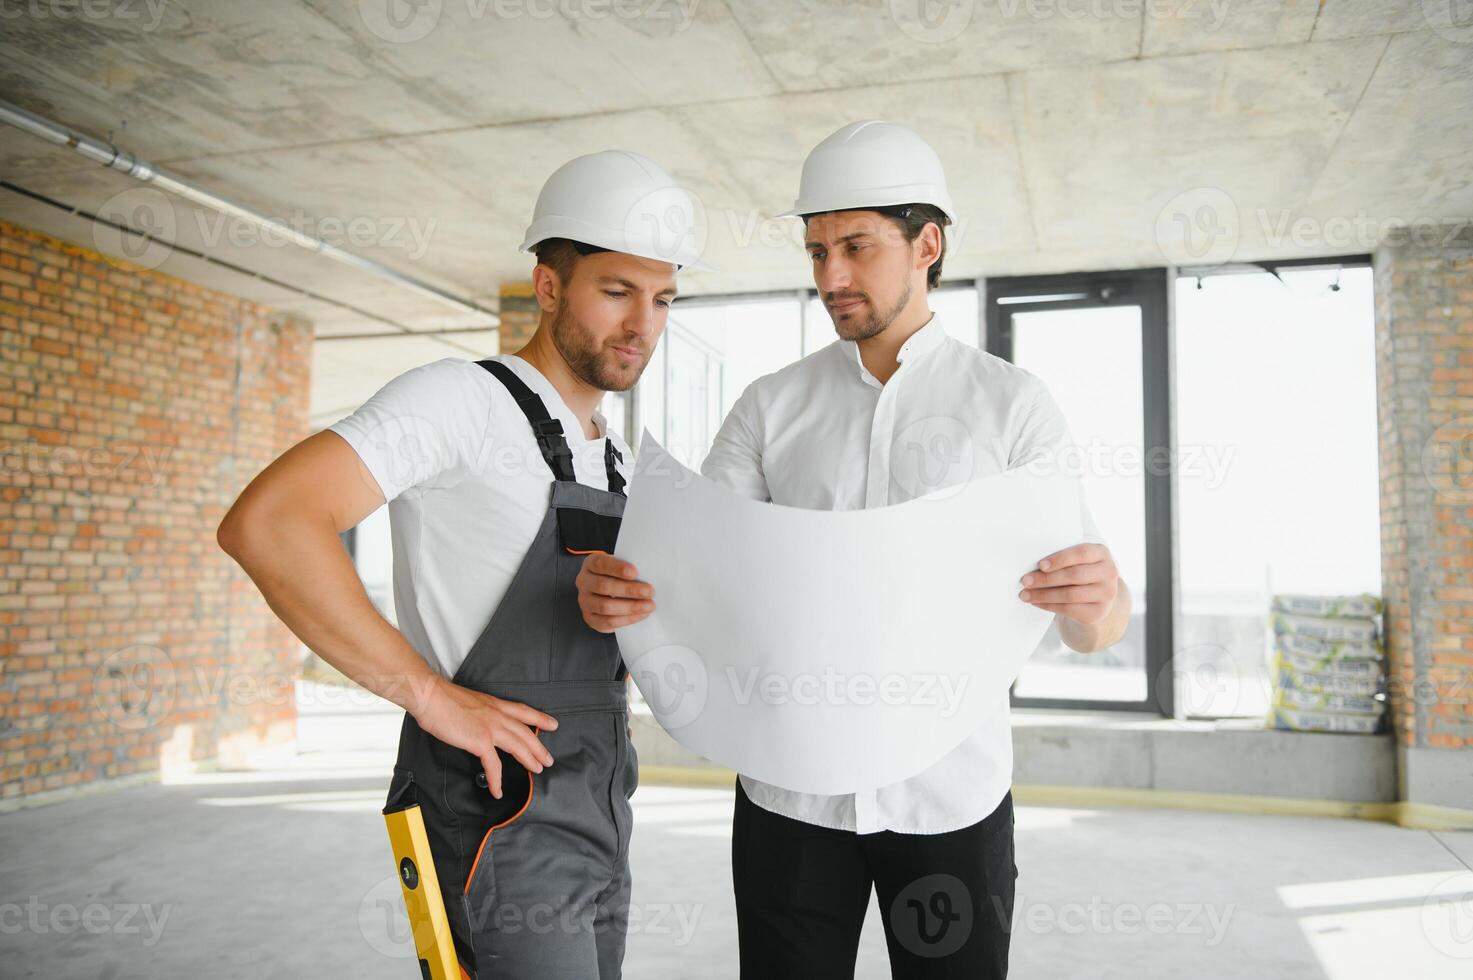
x=117, y=159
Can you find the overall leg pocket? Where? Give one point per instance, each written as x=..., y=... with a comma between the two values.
x=519, y=790
x=497, y=821
x=401, y=790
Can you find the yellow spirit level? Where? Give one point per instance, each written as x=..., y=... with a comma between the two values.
x=426, y=906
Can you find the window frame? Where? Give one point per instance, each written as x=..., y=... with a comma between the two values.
x=1147, y=289
x=1150, y=289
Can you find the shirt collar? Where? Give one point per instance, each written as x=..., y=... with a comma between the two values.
x=918, y=344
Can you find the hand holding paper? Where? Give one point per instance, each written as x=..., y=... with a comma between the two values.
x=833, y=651
x=609, y=594
x=1080, y=582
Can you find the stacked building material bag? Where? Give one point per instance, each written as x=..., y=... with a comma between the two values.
x=1328, y=669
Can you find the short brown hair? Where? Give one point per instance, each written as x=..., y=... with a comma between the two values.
x=561, y=254
x=912, y=218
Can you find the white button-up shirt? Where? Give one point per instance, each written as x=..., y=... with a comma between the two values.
x=824, y=433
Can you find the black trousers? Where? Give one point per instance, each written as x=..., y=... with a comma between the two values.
x=946, y=900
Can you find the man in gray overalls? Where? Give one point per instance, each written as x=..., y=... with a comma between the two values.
x=515, y=742
x=537, y=882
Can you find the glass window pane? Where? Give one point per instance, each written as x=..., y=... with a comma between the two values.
x=818, y=327
x=688, y=423
x=1091, y=361
x=1277, y=481
x=649, y=398
x=957, y=308
x=616, y=412
x=709, y=354
x=750, y=338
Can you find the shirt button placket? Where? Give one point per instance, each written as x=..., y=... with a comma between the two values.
x=877, y=494
x=881, y=435
x=864, y=812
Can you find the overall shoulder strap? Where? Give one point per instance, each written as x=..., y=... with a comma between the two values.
x=548, y=430
x=611, y=456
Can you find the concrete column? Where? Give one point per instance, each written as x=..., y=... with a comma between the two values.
x=1424, y=354
x=519, y=315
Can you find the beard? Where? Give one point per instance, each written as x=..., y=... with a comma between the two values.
x=875, y=323
x=593, y=363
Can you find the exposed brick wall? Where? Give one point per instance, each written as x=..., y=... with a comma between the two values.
x=133, y=408
x=1424, y=349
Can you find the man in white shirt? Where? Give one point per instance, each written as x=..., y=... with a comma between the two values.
x=500, y=476
x=894, y=409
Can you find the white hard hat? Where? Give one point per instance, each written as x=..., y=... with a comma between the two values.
x=621, y=201
x=871, y=164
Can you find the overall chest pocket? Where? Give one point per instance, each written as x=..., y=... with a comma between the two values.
x=582, y=532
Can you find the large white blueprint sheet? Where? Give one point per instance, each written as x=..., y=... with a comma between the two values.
x=834, y=651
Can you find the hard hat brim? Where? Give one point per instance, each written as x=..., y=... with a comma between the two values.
x=802, y=209
x=684, y=256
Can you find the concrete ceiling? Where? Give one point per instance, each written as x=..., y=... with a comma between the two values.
x=1077, y=134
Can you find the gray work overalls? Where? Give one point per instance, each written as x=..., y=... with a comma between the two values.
x=536, y=884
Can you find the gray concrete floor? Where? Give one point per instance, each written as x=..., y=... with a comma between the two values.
x=285, y=874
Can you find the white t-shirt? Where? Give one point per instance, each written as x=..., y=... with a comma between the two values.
x=467, y=489
x=824, y=433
